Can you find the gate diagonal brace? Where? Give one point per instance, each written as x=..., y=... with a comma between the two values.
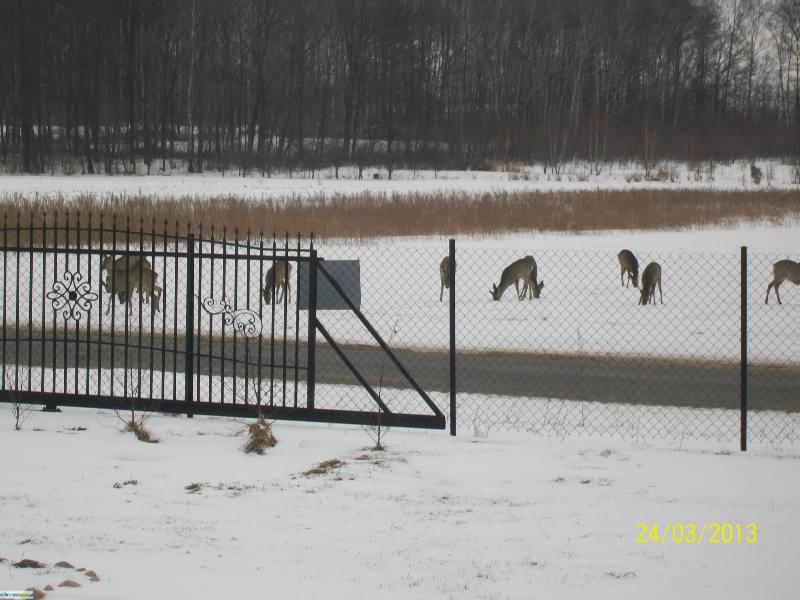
x=384, y=346
x=348, y=363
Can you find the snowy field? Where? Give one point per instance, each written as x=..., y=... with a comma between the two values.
x=431, y=517
x=583, y=309
x=574, y=177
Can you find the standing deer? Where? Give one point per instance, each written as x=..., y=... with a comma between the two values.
x=524, y=269
x=444, y=275
x=755, y=174
x=277, y=282
x=628, y=264
x=129, y=273
x=651, y=277
x=783, y=270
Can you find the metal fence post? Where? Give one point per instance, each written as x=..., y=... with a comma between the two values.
x=189, y=356
x=311, y=375
x=743, y=359
x=452, y=284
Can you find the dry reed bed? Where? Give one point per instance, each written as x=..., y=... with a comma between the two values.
x=367, y=215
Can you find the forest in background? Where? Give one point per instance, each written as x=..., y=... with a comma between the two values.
x=94, y=86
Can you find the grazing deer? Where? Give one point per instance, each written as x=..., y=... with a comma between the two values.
x=651, y=277
x=444, y=275
x=783, y=270
x=127, y=274
x=277, y=282
x=628, y=264
x=524, y=269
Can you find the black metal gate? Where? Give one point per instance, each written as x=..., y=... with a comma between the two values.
x=171, y=319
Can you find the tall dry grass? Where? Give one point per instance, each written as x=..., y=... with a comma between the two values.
x=368, y=215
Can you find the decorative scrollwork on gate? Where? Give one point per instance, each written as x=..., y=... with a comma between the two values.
x=244, y=321
x=72, y=296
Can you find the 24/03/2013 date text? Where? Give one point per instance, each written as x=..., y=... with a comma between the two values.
x=696, y=533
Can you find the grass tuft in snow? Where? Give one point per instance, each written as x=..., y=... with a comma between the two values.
x=324, y=467
x=28, y=563
x=620, y=575
x=64, y=564
x=260, y=436
x=118, y=485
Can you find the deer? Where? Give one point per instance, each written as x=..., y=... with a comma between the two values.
x=444, y=275
x=524, y=269
x=651, y=277
x=127, y=274
x=755, y=174
x=783, y=270
x=277, y=282
x=628, y=264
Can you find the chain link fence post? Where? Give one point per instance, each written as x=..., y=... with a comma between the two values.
x=743, y=359
x=452, y=283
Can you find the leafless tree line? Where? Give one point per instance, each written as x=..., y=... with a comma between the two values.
x=264, y=84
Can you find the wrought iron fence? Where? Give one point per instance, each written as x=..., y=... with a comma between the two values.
x=106, y=315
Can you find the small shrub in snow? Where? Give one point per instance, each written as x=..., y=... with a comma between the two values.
x=260, y=436
x=139, y=430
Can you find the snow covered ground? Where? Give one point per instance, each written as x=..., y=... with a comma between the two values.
x=575, y=176
x=492, y=517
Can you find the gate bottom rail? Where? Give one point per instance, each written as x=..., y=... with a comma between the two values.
x=286, y=413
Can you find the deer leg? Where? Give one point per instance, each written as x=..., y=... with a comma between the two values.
x=660, y=294
x=441, y=292
x=155, y=295
x=777, y=293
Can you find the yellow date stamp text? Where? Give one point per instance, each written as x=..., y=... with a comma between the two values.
x=696, y=533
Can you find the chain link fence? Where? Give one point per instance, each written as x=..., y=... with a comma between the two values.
x=585, y=356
